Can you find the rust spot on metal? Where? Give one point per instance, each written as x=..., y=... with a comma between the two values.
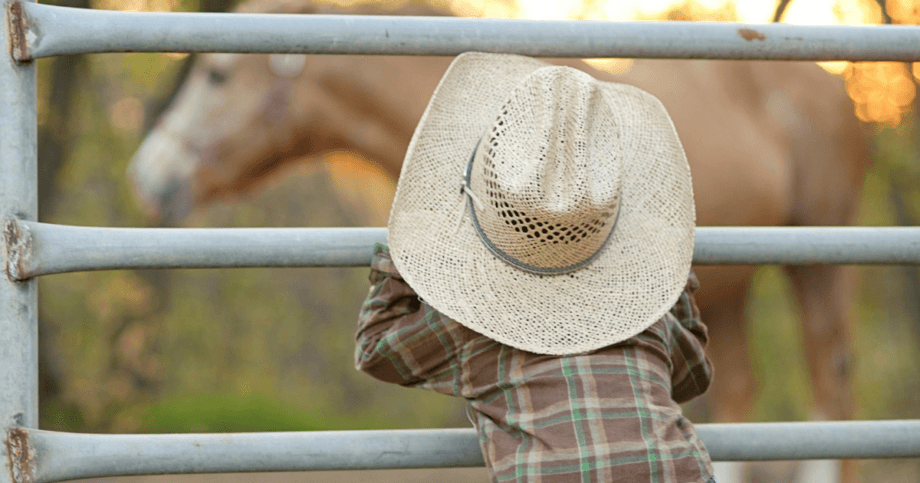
x=18, y=242
x=751, y=35
x=19, y=47
x=21, y=455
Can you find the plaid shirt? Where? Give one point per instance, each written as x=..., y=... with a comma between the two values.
x=606, y=415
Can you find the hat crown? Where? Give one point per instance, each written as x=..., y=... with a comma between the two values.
x=548, y=171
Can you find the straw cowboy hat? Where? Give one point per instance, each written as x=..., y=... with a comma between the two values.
x=543, y=208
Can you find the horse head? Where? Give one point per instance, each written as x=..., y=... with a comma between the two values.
x=239, y=117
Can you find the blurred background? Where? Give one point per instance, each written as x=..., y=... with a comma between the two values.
x=271, y=349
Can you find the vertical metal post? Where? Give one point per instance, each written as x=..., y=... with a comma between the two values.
x=18, y=300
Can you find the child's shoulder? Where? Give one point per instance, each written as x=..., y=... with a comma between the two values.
x=382, y=262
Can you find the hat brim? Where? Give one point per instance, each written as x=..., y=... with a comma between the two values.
x=633, y=282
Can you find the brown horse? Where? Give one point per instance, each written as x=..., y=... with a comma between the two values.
x=769, y=143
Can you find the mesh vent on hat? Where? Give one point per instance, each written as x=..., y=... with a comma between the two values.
x=549, y=172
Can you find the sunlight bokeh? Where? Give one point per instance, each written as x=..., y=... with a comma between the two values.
x=903, y=11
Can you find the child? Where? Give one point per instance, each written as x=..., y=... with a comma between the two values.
x=538, y=265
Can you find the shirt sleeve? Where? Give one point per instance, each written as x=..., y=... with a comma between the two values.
x=401, y=339
x=691, y=372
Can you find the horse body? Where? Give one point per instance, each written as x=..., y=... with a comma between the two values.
x=769, y=143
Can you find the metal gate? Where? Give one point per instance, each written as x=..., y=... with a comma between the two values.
x=31, y=249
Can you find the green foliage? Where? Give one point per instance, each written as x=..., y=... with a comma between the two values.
x=783, y=384
x=231, y=413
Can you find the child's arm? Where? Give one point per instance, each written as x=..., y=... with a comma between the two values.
x=400, y=339
x=691, y=371
x=687, y=313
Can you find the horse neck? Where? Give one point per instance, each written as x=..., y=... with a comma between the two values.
x=369, y=106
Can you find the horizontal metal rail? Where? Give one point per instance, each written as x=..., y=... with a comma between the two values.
x=36, y=249
x=58, y=456
x=49, y=30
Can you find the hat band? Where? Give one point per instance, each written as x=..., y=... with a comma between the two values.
x=508, y=259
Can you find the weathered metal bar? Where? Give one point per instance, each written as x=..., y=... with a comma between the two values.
x=18, y=300
x=58, y=248
x=60, y=30
x=806, y=245
x=46, y=249
x=812, y=440
x=67, y=455
x=61, y=456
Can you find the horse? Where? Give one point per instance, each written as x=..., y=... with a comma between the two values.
x=769, y=144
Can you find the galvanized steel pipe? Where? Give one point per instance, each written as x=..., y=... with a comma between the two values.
x=46, y=249
x=58, y=248
x=806, y=245
x=68, y=455
x=60, y=30
x=812, y=440
x=18, y=300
